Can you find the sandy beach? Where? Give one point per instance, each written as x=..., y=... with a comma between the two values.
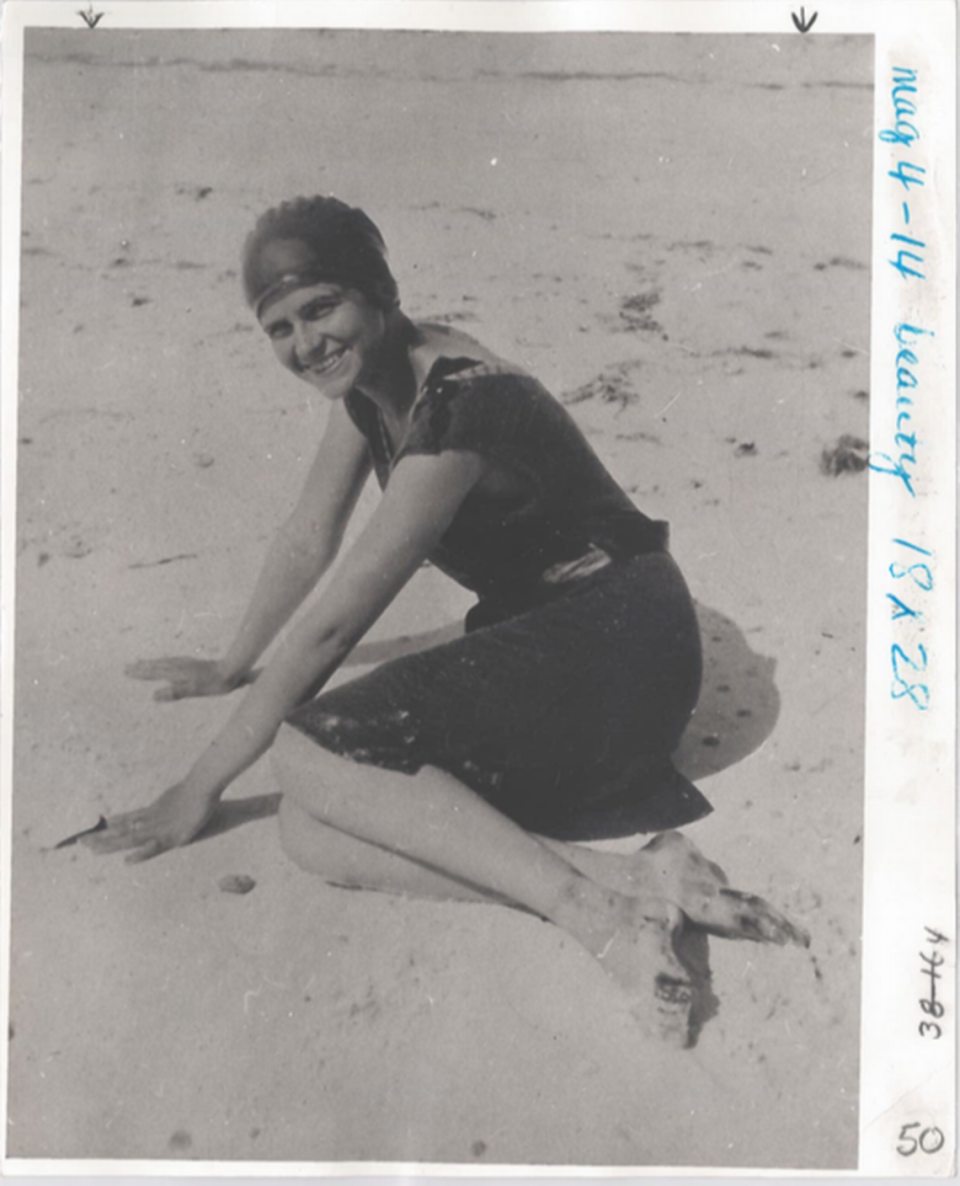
x=673, y=233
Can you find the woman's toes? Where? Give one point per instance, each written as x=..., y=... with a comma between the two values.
x=749, y=917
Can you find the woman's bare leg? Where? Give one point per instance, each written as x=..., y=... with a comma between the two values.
x=669, y=867
x=434, y=820
x=350, y=863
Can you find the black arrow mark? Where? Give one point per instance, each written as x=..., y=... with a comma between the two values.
x=803, y=25
x=93, y=18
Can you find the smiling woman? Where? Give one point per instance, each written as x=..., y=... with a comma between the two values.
x=444, y=773
x=316, y=328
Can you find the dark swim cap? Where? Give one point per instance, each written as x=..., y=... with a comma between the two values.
x=312, y=241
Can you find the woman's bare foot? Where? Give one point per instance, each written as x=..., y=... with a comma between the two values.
x=673, y=868
x=638, y=953
x=633, y=939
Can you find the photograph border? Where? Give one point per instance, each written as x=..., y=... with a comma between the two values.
x=907, y=1082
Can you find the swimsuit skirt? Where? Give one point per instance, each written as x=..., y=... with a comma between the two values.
x=580, y=665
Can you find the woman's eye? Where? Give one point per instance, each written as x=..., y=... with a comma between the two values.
x=318, y=310
x=280, y=330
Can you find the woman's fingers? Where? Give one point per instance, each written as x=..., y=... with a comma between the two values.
x=122, y=831
x=186, y=676
x=161, y=668
x=112, y=841
x=173, y=819
x=138, y=838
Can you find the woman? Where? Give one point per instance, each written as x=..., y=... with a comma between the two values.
x=442, y=774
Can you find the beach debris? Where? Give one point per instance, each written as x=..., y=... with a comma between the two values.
x=612, y=386
x=197, y=192
x=42, y=559
x=448, y=318
x=635, y=311
x=841, y=261
x=692, y=244
x=165, y=560
x=847, y=456
x=137, y=301
x=746, y=449
x=861, y=394
x=203, y=460
x=236, y=883
x=181, y=1141
x=486, y=215
x=99, y=826
x=649, y=437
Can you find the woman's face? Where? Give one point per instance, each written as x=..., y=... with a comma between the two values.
x=326, y=335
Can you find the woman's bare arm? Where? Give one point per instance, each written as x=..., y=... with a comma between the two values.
x=421, y=501
x=301, y=552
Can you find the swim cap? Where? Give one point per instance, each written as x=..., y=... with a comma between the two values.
x=312, y=241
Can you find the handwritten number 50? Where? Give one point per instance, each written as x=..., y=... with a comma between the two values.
x=931, y=1140
x=918, y=693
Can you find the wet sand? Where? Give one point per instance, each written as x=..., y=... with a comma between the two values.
x=673, y=233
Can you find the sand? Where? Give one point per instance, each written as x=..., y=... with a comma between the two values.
x=673, y=233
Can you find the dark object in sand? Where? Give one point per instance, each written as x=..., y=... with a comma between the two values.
x=635, y=311
x=99, y=826
x=236, y=883
x=747, y=449
x=848, y=455
x=612, y=386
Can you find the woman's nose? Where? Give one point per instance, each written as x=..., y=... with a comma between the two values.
x=306, y=339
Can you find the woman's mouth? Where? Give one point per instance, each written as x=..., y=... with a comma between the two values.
x=321, y=366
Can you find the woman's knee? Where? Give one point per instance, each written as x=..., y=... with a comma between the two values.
x=315, y=847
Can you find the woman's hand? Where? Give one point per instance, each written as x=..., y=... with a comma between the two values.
x=171, y=821
x=186, y=676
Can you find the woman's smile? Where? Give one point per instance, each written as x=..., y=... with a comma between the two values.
x=325, y=363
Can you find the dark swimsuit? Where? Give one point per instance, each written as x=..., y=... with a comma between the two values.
x=580, y=665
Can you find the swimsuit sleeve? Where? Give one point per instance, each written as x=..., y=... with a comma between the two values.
x=485, y=414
